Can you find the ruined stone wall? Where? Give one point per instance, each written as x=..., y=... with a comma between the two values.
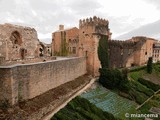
x=2, y=45
x=23, y=82
x=120, y=52
x=6, y=86
x=133, y=52
x=14, y=39
x=145, y=49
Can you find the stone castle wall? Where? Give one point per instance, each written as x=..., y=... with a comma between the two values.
x=23, y=82
x=133, y=52
x=121, y=53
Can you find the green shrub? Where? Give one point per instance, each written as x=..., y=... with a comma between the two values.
x=145, y=108
x=136, y=75
x=137, y=96
x=81, y=109
x=149, y=84
x=114, y=78
x=141, y=88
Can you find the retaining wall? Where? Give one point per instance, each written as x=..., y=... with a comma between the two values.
x=26, y=81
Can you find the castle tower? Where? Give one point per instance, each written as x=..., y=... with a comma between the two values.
x=90, y=31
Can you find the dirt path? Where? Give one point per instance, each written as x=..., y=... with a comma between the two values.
x=48, y=102
x=49, y=116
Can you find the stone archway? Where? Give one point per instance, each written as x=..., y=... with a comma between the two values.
x=16, y=38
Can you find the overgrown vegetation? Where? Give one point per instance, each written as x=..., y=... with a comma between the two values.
x=64, y=50
x=103, y=51
x=81, y=109
x=136, y=88
x=135, y=75
x=114, y=79
x=149, y=84
x=138, y=92
x=145, y=88
x=111, y=78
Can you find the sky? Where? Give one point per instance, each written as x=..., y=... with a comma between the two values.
x=127, y=18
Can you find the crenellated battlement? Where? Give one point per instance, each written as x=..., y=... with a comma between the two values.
x=93, y=21
x=120, y=43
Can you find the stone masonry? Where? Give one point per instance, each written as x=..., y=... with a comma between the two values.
x=17, y=42
x=133, y=52
x=22, y=82
x=126, y=53
x=65, y=40
x=90, y=31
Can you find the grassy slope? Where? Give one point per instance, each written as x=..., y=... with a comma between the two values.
x=154, y=78
x=81, y=109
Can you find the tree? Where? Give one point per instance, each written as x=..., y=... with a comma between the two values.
x=103, y=51
x=149, y=65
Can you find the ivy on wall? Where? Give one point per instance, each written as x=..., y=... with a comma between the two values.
x=103, y=51
x=64, y=50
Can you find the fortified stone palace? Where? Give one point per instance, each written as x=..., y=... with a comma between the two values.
x=27, y=68
x=84, y=42
x=18, y=43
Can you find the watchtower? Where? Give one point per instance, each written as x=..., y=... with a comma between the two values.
x=90, y=31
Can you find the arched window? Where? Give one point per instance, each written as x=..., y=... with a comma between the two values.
x=16, y=38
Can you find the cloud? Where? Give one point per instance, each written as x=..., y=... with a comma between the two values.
x=47, y=5
x=154, y=2
x=46, y=15
x=84, y=6
x=149, y=30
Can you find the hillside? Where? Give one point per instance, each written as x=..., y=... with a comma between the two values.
x=102, y=104
x=150, y=81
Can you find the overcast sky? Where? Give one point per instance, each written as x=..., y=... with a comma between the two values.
x=46, y=15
